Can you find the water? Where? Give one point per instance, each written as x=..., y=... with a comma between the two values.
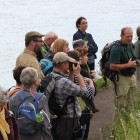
x=105, y=18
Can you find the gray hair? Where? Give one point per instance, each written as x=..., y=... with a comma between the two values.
x=79, y=43
x=50, y=35
x=3, y=96
x=28, y=76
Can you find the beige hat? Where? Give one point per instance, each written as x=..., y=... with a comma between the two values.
x=61, y=57
x=33, y=34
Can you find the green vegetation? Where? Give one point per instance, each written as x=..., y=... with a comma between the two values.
x=127, y=127
x=102, y=84
x=127, y=121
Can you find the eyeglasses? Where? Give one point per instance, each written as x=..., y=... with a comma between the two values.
x=38, y=41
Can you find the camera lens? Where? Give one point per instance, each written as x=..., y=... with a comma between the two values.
x=75, y=64
x=70, y=66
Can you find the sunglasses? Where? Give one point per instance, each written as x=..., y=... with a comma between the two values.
x=38, y=40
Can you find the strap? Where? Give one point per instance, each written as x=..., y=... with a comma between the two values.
x=10, y=88
x=75, y=115
x=13, y=91
x=115, y=82
x=22, y=95
x=115, y=87
x=38, y=96
x=132, y=52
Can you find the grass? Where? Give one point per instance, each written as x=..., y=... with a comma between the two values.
x=102, y=84
x=126, y=126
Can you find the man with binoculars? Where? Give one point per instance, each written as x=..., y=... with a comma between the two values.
x=66, y=126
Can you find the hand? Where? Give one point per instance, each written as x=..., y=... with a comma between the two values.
x=92, y=74
x=89, y=81
x=77, y=68
x=132, y=63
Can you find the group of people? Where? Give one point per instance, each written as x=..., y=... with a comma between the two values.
x=73, y=87
x=28, y=113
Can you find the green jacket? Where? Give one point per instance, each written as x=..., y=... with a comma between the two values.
x=44, y=50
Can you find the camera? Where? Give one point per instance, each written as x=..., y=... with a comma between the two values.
x=137, y=61
x=71, y=66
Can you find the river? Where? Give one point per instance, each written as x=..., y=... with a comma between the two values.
x=105, y=20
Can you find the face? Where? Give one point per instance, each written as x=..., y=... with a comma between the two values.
x=127, y=36
x=85, y=46
x=38, y=44
x=65, y=66
x=65, y=49
x=50, y=41
x=83, y=25
x=84, y=59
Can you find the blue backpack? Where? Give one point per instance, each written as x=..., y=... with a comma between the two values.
x=26, y=114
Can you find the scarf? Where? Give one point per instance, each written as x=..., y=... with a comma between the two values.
x=4, y=127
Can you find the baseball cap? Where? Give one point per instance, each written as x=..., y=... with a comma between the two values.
x=33, y=34
x=79, y=43
x=61, y=57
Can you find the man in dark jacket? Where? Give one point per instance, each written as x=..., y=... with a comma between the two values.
x=81, y=25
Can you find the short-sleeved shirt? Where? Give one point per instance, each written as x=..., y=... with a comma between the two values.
x=120, y=54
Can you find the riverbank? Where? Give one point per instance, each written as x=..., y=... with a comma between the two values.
x=104, y=102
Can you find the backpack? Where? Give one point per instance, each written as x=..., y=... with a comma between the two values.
x=47, y=86
x=26, y=114
x=104, y=64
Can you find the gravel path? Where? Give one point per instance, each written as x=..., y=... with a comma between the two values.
x=104, y=102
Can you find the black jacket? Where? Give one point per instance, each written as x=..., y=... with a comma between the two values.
x=93, y=48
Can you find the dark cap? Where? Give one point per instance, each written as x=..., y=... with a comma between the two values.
x=79, y=43
x=33, y=34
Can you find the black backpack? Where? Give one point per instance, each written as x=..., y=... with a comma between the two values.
x=105, y=64
x=47, y=86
